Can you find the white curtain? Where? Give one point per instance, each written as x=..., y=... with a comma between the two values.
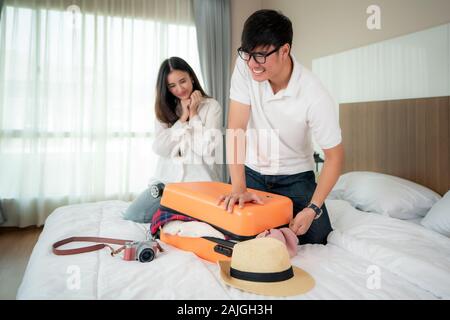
x=212, y=18
x=77, y=85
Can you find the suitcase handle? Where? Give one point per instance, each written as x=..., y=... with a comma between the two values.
x=222, y=247
x=222, y=242
x=223, y=250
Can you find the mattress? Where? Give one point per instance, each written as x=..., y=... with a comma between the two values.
x=368, y=256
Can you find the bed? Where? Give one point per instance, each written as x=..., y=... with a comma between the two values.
x=371, y=252
x=368, y=256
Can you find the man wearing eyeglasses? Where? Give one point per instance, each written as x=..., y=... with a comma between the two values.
x=271, y=91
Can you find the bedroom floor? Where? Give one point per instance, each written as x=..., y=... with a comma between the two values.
x=15, y=249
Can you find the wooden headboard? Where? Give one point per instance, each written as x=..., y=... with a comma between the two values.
x=405, y=138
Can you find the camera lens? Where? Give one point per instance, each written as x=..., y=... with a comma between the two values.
x=156, y=190
x=146, y=255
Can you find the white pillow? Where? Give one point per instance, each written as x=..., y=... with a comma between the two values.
x=438, y=218
x=384, y=194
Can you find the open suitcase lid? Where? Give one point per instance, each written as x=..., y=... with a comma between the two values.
x=199, y=201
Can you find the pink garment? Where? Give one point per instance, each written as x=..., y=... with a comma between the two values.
x=285, y=235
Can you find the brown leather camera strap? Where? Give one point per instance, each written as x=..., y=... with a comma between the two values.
x=102, y=244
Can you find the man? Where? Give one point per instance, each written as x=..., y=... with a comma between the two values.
x=270, y=90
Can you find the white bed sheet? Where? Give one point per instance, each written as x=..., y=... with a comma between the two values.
x=413, y=262
x=415, y=221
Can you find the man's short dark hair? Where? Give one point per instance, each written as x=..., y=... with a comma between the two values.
x=265, y=28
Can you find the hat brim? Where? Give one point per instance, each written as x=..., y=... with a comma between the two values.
x=300, y=283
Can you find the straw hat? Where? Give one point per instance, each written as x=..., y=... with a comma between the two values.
x=262, y=266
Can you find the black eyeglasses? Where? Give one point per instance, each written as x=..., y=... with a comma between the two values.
x=259, y=57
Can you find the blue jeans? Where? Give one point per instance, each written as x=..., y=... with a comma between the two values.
x=299, y=188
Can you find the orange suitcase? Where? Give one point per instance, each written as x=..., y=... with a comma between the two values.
x=198, y=200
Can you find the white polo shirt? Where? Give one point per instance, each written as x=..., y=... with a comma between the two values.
x=280, y=128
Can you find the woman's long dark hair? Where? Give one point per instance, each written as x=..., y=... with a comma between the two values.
x=166, y=102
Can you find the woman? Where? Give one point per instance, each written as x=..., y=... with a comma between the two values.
x=188, y=135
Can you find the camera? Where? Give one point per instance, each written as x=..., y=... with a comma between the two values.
x=143, y=251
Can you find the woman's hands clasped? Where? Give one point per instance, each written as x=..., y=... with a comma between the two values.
x=190, y=106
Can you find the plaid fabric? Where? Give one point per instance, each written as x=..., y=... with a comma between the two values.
x=161, y=217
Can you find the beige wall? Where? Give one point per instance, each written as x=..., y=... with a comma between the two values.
x=324, y=27
x=240, y=10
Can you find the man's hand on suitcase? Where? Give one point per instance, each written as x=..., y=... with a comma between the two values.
x=229, y=200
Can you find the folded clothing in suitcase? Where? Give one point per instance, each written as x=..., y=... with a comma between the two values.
x=198, y=200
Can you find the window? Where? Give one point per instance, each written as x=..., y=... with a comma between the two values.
x=76, y=102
